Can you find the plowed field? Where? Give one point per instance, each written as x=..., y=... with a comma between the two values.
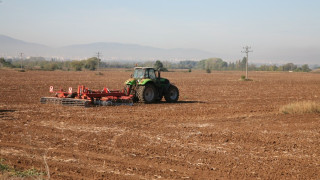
x=220, y=128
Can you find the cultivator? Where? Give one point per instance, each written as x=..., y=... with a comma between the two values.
x=86, y=97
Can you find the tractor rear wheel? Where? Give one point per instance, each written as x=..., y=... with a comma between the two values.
x=172, y=95
x=147, y=93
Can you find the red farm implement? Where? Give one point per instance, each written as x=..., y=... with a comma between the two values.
x=86, y=97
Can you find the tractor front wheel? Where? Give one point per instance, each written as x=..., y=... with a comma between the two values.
x=172, y=95
x=147, y=93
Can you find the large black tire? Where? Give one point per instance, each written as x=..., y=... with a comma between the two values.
x=147, y=93
x=172, y=94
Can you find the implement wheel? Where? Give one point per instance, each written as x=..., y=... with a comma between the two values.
x=172, y=95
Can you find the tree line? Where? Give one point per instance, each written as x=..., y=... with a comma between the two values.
x=93, y=63
x=218, y=64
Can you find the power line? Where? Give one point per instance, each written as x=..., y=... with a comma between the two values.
x=21, y=55
x=98, y=56
x=246, y=50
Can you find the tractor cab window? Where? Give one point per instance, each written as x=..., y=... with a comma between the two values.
x=151, y=74
x=138, y=73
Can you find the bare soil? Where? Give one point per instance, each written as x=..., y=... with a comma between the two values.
x=220, y=128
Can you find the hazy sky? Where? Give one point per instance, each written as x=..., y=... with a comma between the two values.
x=277, y=30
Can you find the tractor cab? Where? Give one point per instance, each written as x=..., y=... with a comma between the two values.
x=145, y=73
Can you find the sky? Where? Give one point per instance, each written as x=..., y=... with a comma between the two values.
x=278, y=31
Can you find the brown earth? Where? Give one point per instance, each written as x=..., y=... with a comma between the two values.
x=221, y=128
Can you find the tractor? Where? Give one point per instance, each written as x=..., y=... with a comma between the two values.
x=146, y=87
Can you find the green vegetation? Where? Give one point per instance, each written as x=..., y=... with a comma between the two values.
x=243, y=78
x=213, y=64
x=3, y=167
x=218, y=64
x=4, y=63
x=301, y=108
x=77, y=65
x=159, y=66
x=8, y=171
x=91, y=64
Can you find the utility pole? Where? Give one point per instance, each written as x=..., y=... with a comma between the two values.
x=246, y=50
x=21, y=54
x=98, y=55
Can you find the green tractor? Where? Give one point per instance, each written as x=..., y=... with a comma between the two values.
x=146, y=87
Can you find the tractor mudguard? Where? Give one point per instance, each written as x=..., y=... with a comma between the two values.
x=131, y=81
x=164, y=81
x=143, y=82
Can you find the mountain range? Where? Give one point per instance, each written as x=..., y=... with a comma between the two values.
x=110, y=51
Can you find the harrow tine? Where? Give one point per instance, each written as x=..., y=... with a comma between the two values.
x=119, y=102
x=65, y=101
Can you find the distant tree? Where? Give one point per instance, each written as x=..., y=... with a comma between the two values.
x=243, y=63
x=202, y=64
x=208, y=66
x=187, y=64
x=91, y=63
x=273, y=68
x=77, y=65
x=231, y=66
x=263, y=67
x=237, y=65
x=51, y=66
x=4, y=63
x=252, y=67
x=159, y=66
x=305, y=68
x=289, y=67
x=222, y=65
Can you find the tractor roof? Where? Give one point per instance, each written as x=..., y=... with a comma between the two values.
x=143, y=68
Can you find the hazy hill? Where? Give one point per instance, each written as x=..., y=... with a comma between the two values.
x=12, y=47
x=116, y=51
